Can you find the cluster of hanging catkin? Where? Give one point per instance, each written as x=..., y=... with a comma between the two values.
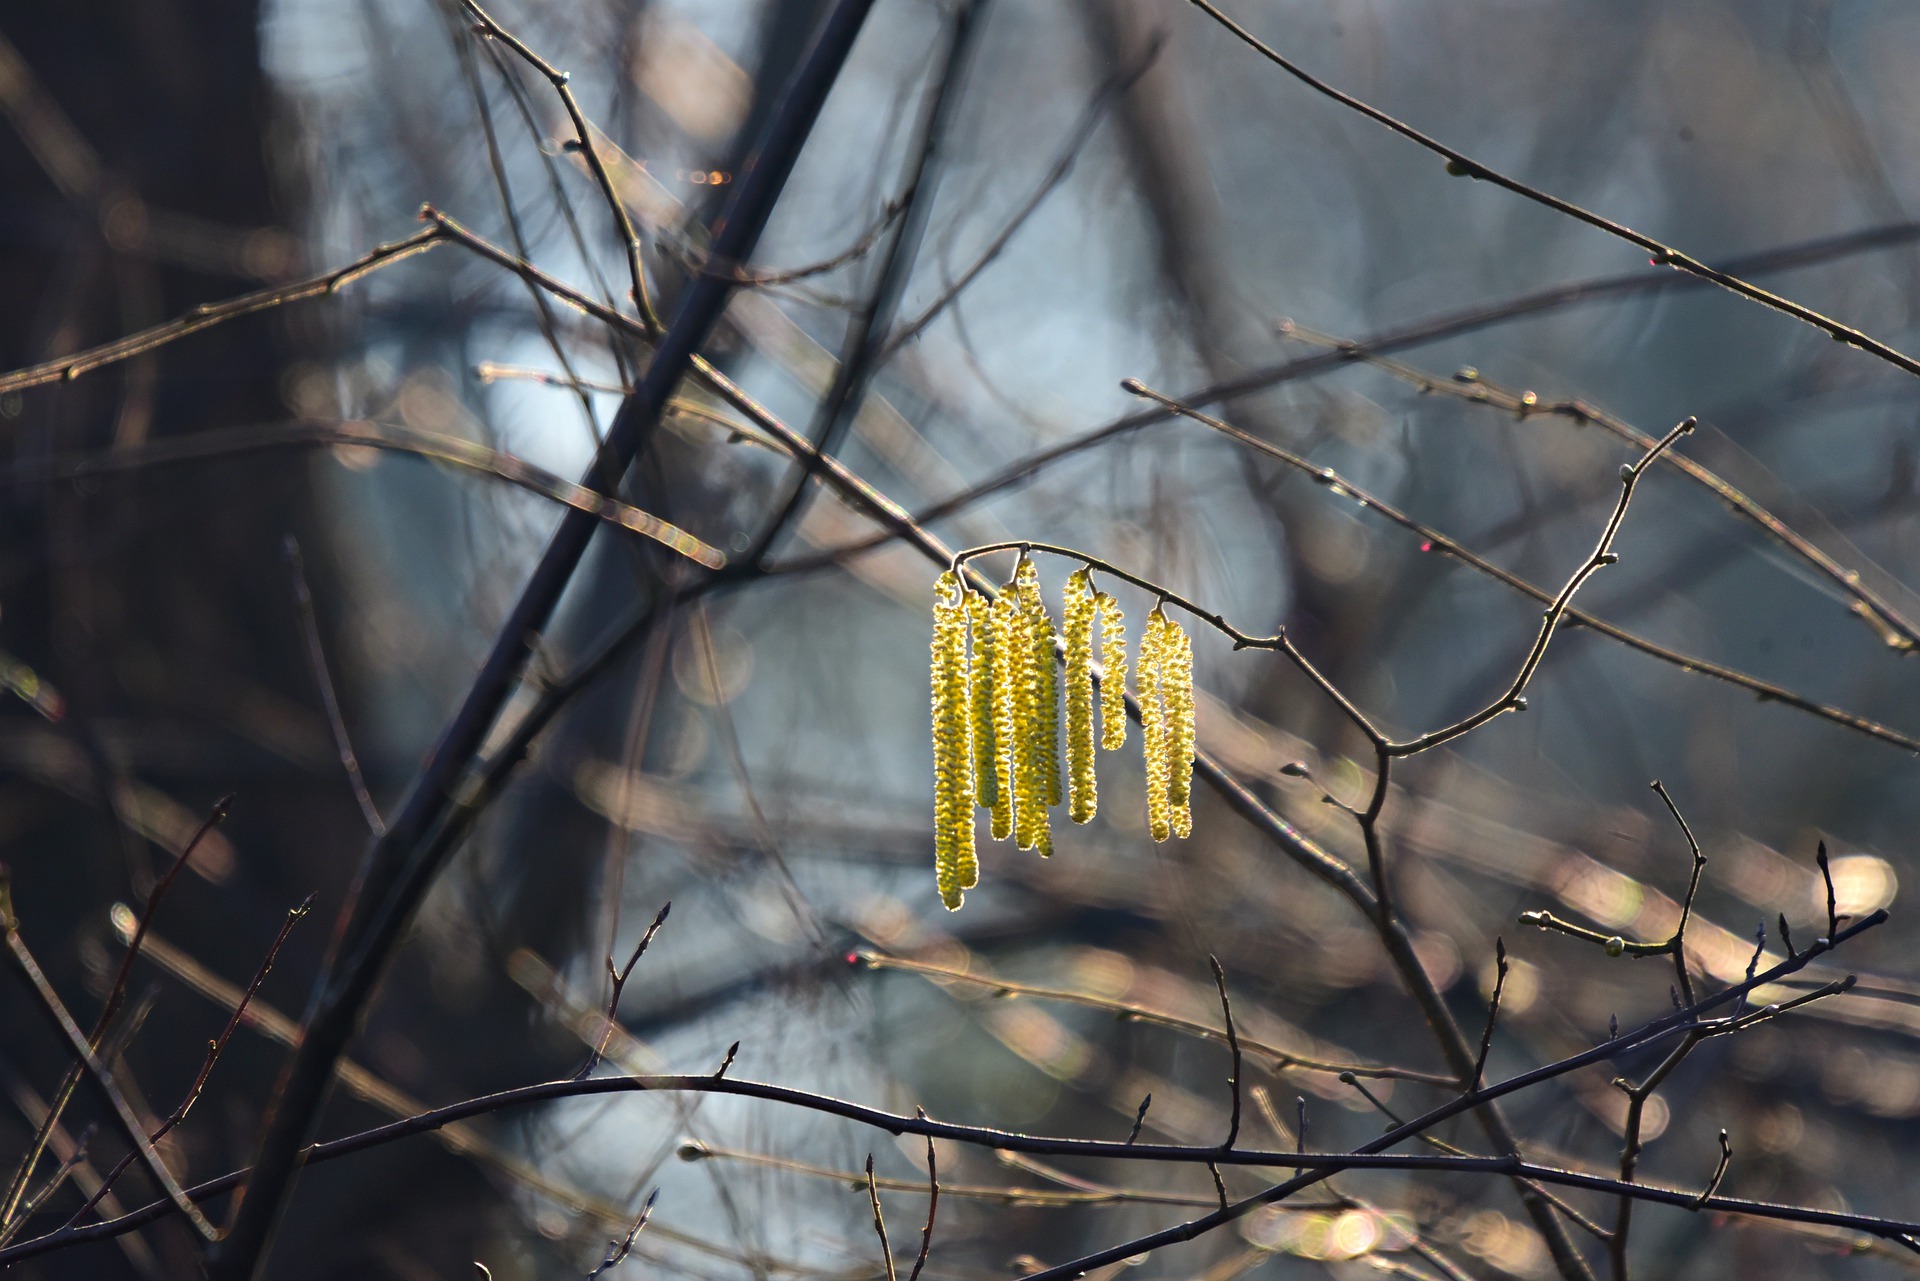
x=996, y=716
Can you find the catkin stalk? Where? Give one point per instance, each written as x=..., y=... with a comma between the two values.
x=955, y=867
x=1113, y=673
x=1077, y=629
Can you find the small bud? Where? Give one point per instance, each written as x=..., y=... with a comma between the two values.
x=1616, y=946
x=1458, y=168
x=1294, y=769
x=1519, y=703
x=1609, y=558
x=1626, y=471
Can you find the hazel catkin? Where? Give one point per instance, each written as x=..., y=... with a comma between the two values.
x=1176, y=692
x=1153, y=725
x=1037, y=767
x=1005, y=663
x=1113, y=673
x=955, y=867
x=1077, y=631
x=980, y=676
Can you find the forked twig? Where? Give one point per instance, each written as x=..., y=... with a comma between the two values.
x=617, y=979
x=617, y=1251
x=879, y=1221
x=94, y=1069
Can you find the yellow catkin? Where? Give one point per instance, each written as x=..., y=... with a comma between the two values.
x=986, y=748
x=953, y=857
x=1008, y=666
x=1077, y=629
x=1046, y=692
x=1036, y=725
x=1153, y=725
x=1176, y=690
x=1113, y=678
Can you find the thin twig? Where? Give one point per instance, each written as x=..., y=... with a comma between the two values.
x=1679, y=940
x=879, y=1221
x=487, y=28
x=1281, y=1059
x=1462, y=165
x=617, y=981
x=1470, y=385
x=317, y=660
x=1090, y=119
x=214, y=1050
x=1139, y=1118
x=439, y=447
x=617, y=1251
x=206, y=316
x=1233, y=1048
x=94, y=1069
x=1833, y=903
x=1719, y=1171
x=1493, y=1009
x=116, y=995
x=933, y=1204
x=401, y=866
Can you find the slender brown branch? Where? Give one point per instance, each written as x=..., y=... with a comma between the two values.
x=1679, y=940
x=96, y=1071
x=1432, y=540
x=317, y=660
x=1316, y=1166
x=1512, y=699
x=1637, y=1096
x=116, y=995
x=617, y=981
x=879, y=1221
x=1281, y=1059
x=1233, y=1048
x=1719, y=1172
x=488, y=29
x=1461, y=165
x=453, y=450
x=207, y=316
x=617, y=1251
x=400, y=866
x=55, y=1181
x=1076, y=142
x=1493, y=1011
x=761, y=277
x=933, y=1205
x=1888, y=623
x=1139, y=1118
x=1826, y=876
x=215, y=1048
